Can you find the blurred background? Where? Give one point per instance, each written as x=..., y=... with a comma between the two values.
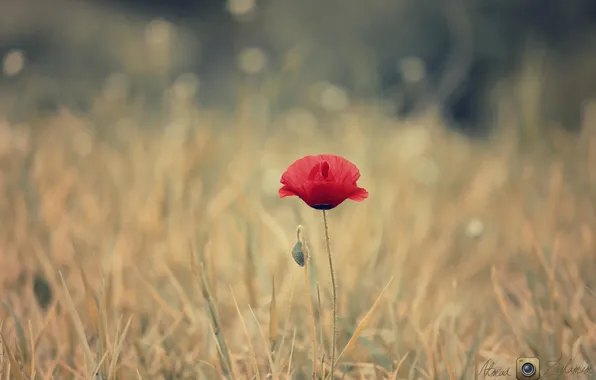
x=403, y=56
x=134, y=133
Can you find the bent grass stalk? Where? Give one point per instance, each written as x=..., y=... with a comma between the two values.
x=333, y=294
x=247, y=335
x=222, y=347
x=363, y=323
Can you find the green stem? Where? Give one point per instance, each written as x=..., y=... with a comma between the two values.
x=333, y=293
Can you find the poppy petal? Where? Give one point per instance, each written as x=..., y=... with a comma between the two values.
x=321, y=172
x=343, y=170
x=326, y=195
x=286, y=191
x=359, y=195
x=299, y=170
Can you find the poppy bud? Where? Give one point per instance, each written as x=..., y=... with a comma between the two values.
x=298, y=253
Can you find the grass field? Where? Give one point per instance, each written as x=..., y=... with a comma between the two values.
x=465, y=252
x=130, y=251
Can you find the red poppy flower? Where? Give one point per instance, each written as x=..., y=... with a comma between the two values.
x=323, y=181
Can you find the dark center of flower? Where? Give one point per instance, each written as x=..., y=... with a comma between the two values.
x=322, y=206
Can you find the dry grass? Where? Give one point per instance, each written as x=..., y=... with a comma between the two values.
x=169, y=256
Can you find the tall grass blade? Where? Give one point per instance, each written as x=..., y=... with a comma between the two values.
x=362, y=325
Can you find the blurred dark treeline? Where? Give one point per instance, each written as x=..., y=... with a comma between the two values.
x=408, y=54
